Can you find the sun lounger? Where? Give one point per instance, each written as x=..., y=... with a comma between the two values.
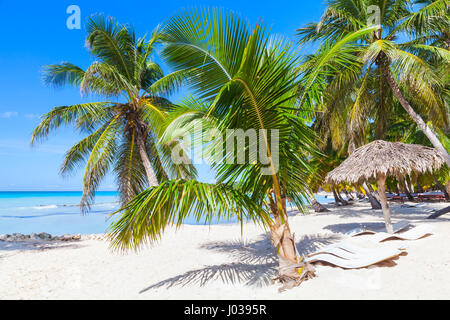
x=350, y=251
x=356, y=261
x=412, y=234
x=398, y=226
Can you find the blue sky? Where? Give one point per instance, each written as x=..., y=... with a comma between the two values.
x=34, y=34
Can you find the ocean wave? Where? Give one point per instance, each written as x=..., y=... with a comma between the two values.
x=39, y=207
x=56, y=206
x=51, y=206
x=55, y=214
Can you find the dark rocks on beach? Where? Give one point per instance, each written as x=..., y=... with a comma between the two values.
x=20, y=236
x=43, y=236
x=34, y=236
x=69, y=237
x=4, y=237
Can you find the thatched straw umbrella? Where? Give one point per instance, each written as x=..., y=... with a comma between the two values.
x=379, y=159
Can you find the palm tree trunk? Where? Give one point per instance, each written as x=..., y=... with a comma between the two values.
x=410, y=184
x=317, y=206
x=292, y=271
x=376, y=205
x=338, y=199
x=343, y=201
x=348, y=195
x=281, y=234
x=151, y=176
x=373, y=192
x=419, y=121
x=442, y=188
x=405, y=187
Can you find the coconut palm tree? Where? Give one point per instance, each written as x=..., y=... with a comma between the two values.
x=396, y=60
x=405, y=130
x=245, y=80
x=122, y=134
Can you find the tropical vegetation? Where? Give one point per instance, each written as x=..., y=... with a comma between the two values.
x=380, y=71
x=122, y=132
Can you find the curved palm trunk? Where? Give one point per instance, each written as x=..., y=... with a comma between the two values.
x=405, y=187
x=292, y=271
x=442, y=188
x=348, y=195
x=317, y=206
x=410, y=184
x=419, y=121
x=344, y=202
x=376, y=205
x=338, y=199
x=151, y=176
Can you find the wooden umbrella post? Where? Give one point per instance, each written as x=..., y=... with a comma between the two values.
x=381, y=180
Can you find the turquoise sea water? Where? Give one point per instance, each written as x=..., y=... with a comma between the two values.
x=58, y=213
x=54, y=212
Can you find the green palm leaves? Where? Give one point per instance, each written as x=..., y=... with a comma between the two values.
x=172, y=202
x=244, y=80
x=122, y=136
x=399, y=59
x=217, y=47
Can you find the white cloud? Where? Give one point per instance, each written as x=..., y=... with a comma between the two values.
x=31, y=116
x=8, y=114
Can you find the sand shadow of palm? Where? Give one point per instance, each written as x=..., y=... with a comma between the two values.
x=255, y=262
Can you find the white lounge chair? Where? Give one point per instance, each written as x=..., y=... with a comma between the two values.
x=350, y=251
x=356, y=261
x=398, y=226
x=412, y=234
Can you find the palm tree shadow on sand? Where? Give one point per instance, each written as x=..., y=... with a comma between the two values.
x=255, y=262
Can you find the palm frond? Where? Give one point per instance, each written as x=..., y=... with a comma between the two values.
x=63, y=116
x=215, y=49
x=99, y=162
x=146, y=217
x=61, y=74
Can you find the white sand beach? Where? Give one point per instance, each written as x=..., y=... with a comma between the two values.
x=201, y=262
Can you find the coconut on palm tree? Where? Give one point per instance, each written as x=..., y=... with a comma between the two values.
x=363, y=72
x=246, y=81
x=122, y=134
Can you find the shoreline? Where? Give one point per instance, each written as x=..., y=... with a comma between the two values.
x=217, y=262
x=292, y=211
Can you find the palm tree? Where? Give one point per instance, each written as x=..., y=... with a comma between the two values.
x=122, y=134
x=245, y=81
x=405, y=130
x=365, y=69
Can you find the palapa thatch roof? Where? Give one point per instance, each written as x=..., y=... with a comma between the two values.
x=391, y=158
